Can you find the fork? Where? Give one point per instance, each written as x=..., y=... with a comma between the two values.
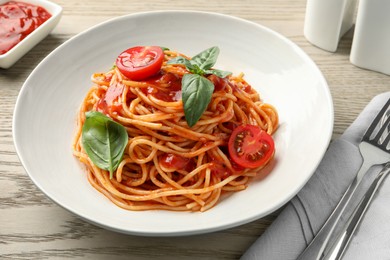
x=374, y=150
x=348, y=229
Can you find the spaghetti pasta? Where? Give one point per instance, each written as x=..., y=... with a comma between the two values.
x=167, y=164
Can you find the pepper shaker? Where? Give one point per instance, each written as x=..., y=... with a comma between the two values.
x=371, y=41
x=326, y=21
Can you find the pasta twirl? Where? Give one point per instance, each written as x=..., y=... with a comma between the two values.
x=167, y=164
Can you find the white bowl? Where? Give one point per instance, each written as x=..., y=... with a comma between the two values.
x=45, y=115
x=9, y=58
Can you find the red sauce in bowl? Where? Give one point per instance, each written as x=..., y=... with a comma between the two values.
x=17, y=21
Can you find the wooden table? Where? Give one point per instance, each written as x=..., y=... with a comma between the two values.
x=33, y=227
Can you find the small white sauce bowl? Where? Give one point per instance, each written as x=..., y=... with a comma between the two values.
x=13, y=55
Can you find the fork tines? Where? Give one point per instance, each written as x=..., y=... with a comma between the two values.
x=382, y=123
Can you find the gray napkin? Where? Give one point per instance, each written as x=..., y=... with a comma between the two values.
x=304, y=215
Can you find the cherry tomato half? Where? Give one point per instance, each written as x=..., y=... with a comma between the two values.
x=176, y=162
x=141, y=62
x=250, y=147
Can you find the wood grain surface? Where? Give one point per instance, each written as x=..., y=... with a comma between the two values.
x=33, y=227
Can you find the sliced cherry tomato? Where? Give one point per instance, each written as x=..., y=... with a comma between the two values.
x=250, y=147
x=141, y=62
x=176, y=162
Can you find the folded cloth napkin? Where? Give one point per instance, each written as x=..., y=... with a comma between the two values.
x=305, y=214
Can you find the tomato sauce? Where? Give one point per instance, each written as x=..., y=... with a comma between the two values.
x=170, y=93
x=110, y=103
x=165, y=87
x=219, y=83
x=17, y=21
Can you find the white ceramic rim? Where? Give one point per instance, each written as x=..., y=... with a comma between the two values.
x=206, y=228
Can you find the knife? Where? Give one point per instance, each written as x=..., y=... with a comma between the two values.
x=341, y=243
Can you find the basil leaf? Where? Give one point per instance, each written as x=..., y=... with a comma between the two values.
x=104, y=141
x=195, y=69
x=207, y=58
x=179, y=60
x=196, y=89
x=196, y=93
x=219, y=73
x=184, y=61
x=164, y=48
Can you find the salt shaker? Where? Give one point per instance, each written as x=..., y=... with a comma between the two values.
x=326, y=21
x=371, y=42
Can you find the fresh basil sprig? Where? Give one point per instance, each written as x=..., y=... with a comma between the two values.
x=197, y=89
x=104, y=141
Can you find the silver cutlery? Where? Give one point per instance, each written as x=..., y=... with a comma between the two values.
x=349, y=229
x=375, y=150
